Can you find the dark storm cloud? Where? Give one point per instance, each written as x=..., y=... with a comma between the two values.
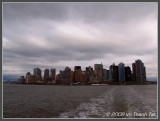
x=53, y=34
x=29, y=11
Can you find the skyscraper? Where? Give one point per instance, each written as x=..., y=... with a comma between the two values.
x=61, y=74
x=77, y=74
x=27, y=77
x=134, y=71
x=107, y=74
x=53, y=74
x=99, y=70
x=37, y=73
x=104, y=74
x=113, y=72
x=67, y=75
x=128, y=74
x=98, y=67
x=121, y=72
x=46, y=75
x=77, y=68
x=139, y=71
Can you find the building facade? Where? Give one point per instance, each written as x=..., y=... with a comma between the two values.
x=37, y=73
x=139, y=72
x=128, y=74
x=77, y=74
x=27, y=77
x=121, y=72
x=53, y=74
x=46, y=75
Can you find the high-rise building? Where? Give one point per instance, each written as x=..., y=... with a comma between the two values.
x=28, y=77
x=121, y=72
x=68, y=75
x=104, y=74
x=89, y=73
x=110, y=75
x=89, y=69
x=107, y=74
x=98, y=67
x=61, y=74
x=113, y=73
x=46, y=75
x=99, y=71
x=37, y=73
x=53, y=74
x=77, y=74
x=139, y=71
x=134, y=72
x=128, y=74
x=72, y=76
x=77, y=68
x=83, y=78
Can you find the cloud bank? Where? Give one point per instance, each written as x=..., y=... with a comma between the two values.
x=56, y=35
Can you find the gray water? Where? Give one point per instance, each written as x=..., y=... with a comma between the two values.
x=50, y=101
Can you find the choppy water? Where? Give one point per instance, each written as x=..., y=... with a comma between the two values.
x=111, y=101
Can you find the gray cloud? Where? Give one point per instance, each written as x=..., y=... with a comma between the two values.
x=67, y=34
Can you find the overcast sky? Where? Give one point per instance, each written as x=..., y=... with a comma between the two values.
x=56, y=35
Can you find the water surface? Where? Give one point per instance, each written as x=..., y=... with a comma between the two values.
x=50, y=101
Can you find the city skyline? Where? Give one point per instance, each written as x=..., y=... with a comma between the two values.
x=56, y=35
x=114, y=75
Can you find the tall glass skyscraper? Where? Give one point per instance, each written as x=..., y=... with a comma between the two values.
x=53, y=73
x=46, y=74
x=121, y=72
x=37, y=71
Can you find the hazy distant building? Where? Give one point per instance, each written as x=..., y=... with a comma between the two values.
x=98, y=66
x=113, y=73
x=37, y=71
x=77, y=68
x=110, y=75
x=21, y=80
x=61, y=74
x=121, y=72
x=37, y=74
x=83, y=78
x=67, y=75
x=46, y=75
x=139, y=72
x=107, y=74
x=58, y=77
x=104, y=74
x=128, y=74
x=77, y=74
x=72, y=76
x=53, y=74
x=99, y=71
x=28, y=75
x=32, y=79
x=134, y=71
x=89, y=69
x=89, y=73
